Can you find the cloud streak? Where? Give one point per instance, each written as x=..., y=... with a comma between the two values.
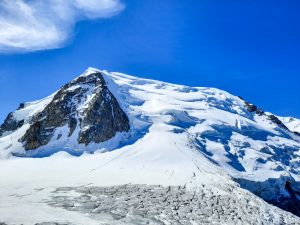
x=32, y=25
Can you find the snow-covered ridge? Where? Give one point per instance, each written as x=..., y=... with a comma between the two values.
x=292, y=123
x=178, y=135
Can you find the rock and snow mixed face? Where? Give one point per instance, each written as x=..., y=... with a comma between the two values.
x=292, y=123
x=79, y=113
x=160, y=134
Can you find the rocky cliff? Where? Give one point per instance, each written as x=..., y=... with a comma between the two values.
x=84, y=105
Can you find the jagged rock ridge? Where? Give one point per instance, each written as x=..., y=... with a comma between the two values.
x=85, y=104
x=253, y=108
x=10, y=124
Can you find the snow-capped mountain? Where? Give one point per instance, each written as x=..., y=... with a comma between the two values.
x=146, y=132
x=81, y=112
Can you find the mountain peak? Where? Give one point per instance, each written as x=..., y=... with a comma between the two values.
x=82, y=111
x=172, y=133
x=90, y=71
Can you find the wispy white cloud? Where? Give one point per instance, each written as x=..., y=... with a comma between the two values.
x=31, y=25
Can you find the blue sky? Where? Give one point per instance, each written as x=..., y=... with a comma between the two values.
x=248, y=48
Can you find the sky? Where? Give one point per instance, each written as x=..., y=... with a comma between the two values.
x=249, y=48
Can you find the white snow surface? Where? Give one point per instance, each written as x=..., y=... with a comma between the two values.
x=292, y=123
x=179, y=136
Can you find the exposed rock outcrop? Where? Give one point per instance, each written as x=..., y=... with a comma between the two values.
x=10, y=124
x=86, y=103
x=275, y=119
x=253, y=108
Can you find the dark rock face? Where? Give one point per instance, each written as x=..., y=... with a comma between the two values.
x=275, y=119
x=37, y=135
x=21, y=106
x=104, y=116
x=99, y=117
x=253, y=108
x=10, y=124
x=283, y=192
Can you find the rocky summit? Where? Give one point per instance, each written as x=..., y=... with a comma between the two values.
x=84, y=105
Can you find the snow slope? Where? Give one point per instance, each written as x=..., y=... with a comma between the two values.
x=201, y=138
x=292, y=123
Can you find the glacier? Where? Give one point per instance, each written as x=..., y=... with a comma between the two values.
x=193, y=141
